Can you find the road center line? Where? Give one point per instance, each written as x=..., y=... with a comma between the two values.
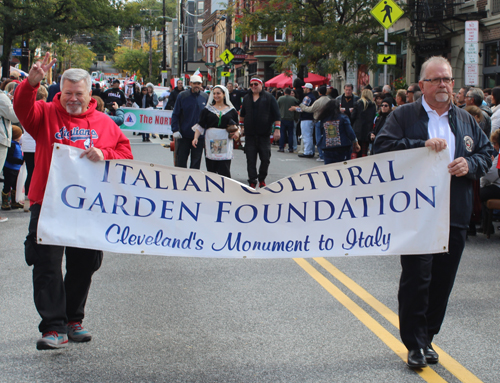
x=428, y=374
x=459, y=371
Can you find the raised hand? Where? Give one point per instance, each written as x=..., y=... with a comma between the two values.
x=40, y=69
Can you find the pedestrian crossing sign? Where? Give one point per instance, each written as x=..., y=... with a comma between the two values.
x=227, y=56
x=387, y=12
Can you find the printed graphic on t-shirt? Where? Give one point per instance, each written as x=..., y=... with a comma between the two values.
x=332, y=133
x=306, y=101
x=76, y=134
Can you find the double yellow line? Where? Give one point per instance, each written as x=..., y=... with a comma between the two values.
x=428, y=374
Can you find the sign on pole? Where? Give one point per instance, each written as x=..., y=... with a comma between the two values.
x=387, y=59
x=227, y=56
x=225, y=74
x=210, y=50
x=471, y=74
x=471, y=31
x=471, y=53
x=387, y=12
x=471, y=49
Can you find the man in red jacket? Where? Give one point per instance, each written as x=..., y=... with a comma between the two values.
x=71, y=119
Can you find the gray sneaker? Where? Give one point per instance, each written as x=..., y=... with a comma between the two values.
x=52, y=340
x=77, y=333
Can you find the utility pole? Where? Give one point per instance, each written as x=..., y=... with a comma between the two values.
x=180, y=39
x=229, y=30
x=164, y=30
x=150, y=46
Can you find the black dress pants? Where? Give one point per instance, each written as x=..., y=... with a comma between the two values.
x=185, y=149
x=257, y=146
x=425, y=286
x=59, y=300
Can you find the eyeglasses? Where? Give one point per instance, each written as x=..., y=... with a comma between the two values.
x=437, y=80
x=254, y=84
x=384, y=106
x=410, y=91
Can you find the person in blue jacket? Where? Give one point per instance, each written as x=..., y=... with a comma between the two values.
x=11, y=171
x=186, y=114
x=338, y=139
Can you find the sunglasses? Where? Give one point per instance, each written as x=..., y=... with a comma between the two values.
x=385, y=106
x=254, y=84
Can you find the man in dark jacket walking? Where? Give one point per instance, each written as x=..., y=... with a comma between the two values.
x=174, y=94
x=347, y=100
x=434, y=122
x=235, y=95
x=186, y=114
x=258, y=113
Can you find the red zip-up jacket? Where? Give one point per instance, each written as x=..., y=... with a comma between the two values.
x=49, y=123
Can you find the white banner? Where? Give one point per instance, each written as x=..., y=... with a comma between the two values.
x=147, y=120
x=392, y=203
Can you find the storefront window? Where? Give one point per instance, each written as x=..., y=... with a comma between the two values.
x=491, y=55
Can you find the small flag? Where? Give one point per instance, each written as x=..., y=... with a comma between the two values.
x=198, y=73
x=209, y=77
x=186, y=76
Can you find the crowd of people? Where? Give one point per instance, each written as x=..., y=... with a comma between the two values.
x=336, y=126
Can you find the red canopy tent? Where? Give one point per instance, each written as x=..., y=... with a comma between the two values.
x=282, y=80
x=278, y=79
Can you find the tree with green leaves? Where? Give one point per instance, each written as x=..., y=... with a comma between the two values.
x=137, y=61
x=322, y=34
x=73, y=55
x=52, y=19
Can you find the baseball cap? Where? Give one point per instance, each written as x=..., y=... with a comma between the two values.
x=308, y=85
x=195, y=78
x=115, y=81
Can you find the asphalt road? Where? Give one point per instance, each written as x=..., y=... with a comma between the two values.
x=174, y=319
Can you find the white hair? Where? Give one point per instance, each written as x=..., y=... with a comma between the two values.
x=434, y=59
x=76, y=75
x=387, y=88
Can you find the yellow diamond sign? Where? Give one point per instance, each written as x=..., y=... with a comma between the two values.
x=387, y=12
x=387, y=59
x=227, y=56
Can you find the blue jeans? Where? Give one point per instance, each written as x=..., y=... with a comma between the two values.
x=340, y=154
x=286, y=134
x=317, y=130
x=307, y=128
x=295, y=136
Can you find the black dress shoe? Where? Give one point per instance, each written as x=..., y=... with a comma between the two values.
x=416, y=359
x=306, y=155
x=431, y=356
